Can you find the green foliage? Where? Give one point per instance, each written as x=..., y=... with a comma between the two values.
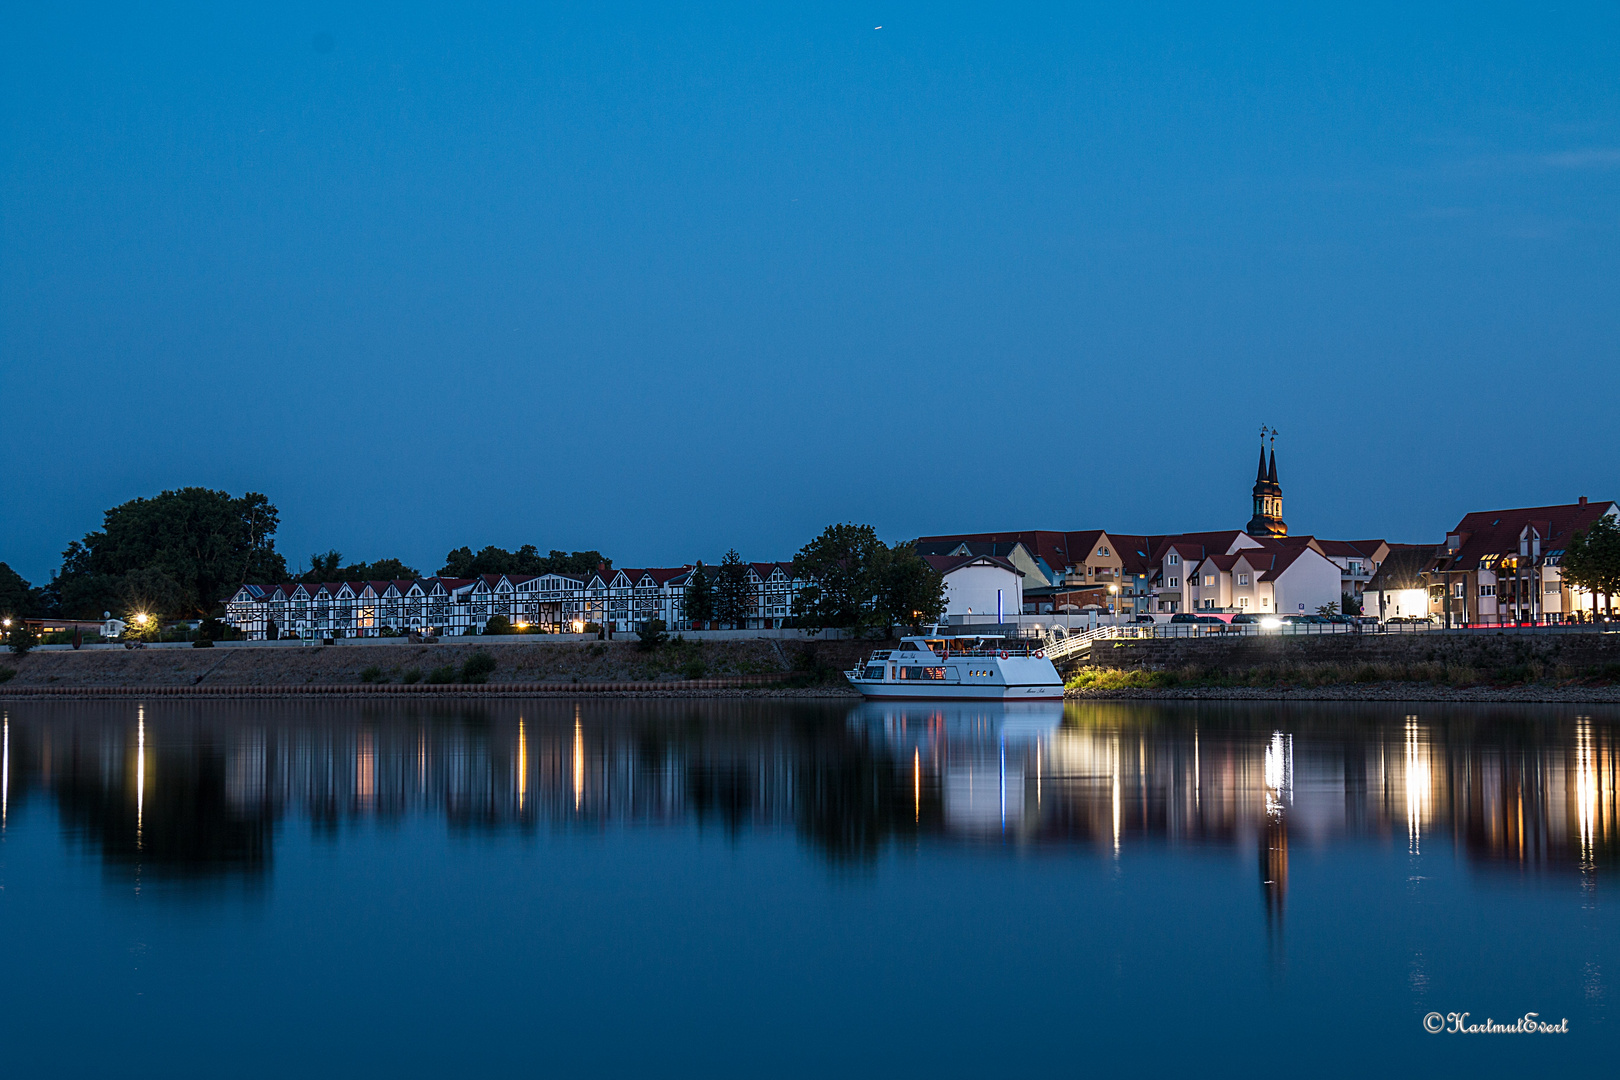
x=1592, y=560
x=477, y=667
x=21, y=638
x=910, y=592
x=853, y=581
x=217, y=630
x=734, y=598
x=498, y=624
x=412, y=675
x=7, y=674
x=1331, y=608
x=1350, y=605
x=439, y=676
x=202, y=643
x=653, y=634
x=204, y=542
x=694, y=669
x=525, y=560
x=330, y=567
x=698, y=603
x=372, y=674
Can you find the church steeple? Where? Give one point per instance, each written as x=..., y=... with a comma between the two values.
x=1268, y=519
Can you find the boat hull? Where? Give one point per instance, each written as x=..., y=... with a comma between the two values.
x=902, y=691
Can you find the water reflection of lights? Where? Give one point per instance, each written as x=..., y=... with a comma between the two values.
x=522, y=765
x=140, y=771
x=5, y=772
x=1586, y=788
x=916, y=784
x=579, y=760
x=1279, y=772
x=1419, y=784
x=365, y=770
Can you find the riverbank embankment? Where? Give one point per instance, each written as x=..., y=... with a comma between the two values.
x=677, y=668
x=1471, y=666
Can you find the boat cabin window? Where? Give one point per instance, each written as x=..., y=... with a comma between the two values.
x=908, y=646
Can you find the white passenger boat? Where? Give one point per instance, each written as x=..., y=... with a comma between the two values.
x=959, y=669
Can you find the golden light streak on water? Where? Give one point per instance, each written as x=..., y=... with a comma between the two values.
x=5, y=770
x=916, y=784
x=579, y=760
x=522, y=765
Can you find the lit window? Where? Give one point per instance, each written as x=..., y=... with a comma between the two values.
x=1209, y=581
x=1243, y=579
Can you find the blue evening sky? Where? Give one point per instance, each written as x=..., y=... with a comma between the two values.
x=670, y=278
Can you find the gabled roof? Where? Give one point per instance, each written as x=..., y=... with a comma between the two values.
x=1497, y=532
x=949, y=564
x=1403, y=568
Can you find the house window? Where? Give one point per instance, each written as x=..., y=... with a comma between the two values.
x=1487, y=590
x=1103, y=552
x=1243, y=579
x=1175, y=560
x=1265, y=601
x=1243, y=601
x=1209, y=605
x=1175, y=583
x=1551, y=586
x=1209, y=581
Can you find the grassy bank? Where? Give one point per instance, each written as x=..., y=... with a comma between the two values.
x=1306, y=674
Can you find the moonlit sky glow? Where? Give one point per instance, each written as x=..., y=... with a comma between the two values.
x=669, y=278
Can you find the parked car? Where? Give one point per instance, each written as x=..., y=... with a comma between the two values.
x=1143, y=619
x=1245, y=620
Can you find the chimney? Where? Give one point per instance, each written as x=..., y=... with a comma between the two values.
x=1583, y=500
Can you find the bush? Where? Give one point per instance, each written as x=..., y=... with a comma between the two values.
x=202, y=643
x=694, y=669
x=499, y=624
x=476, y=668
x=414, y=675
x=441, y=675
x=372, y=674
x=7, y=674
x=593, y=628
x=388, y=631
x=653, y=633
x=216, y=630
x=21, y=638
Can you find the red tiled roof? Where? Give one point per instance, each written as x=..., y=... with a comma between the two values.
x=1496, y=532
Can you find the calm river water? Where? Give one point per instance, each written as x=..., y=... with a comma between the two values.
x=636, y=888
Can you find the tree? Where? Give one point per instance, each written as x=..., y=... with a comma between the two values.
x=699, y=599
x=839, y=571
x=853, y=581
x=152, y=592
x=1592, y=561
x=911, y=592
x=330, y=567
x=734, y=598
x=17, y=598
x=206, y=542
x=525, y=560
x=1331, y=608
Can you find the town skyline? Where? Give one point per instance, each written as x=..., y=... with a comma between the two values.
x=592, y=294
